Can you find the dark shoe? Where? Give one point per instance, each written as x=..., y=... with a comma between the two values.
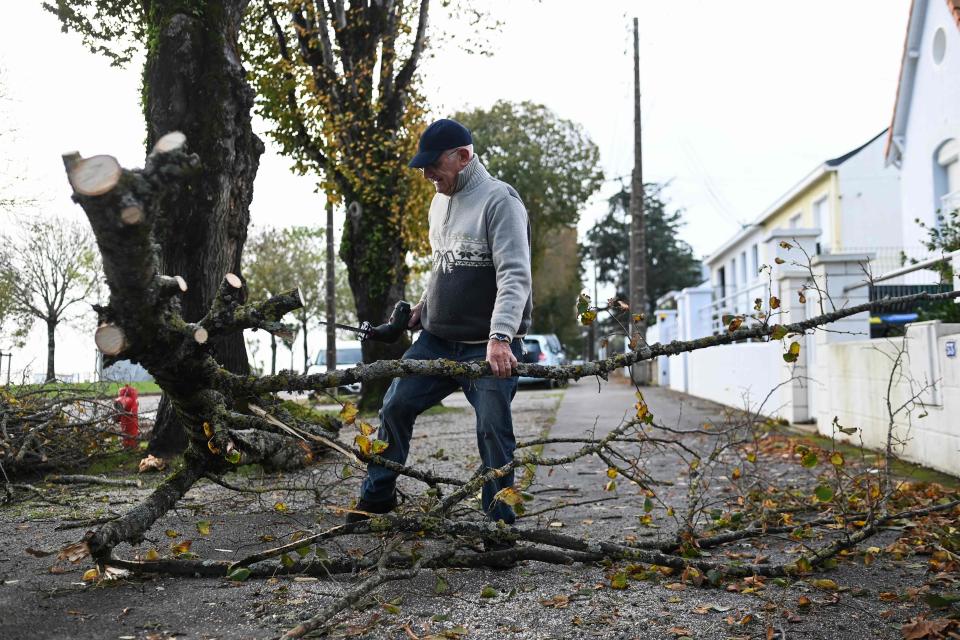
x=369, y=507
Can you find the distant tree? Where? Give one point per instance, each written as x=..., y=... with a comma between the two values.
x=670, y=261
x=11, y=195
x=555, y=167
x=340, y=85
x=277, y=260
x=47, y=268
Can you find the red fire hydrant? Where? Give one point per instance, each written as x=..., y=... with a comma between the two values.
x=128, y=408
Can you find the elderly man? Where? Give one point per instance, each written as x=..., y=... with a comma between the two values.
x=476, y=307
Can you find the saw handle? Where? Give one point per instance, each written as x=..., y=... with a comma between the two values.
x=392, y=330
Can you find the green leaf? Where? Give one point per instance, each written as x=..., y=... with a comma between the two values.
x=824, y=493
x=286, y=561
x=303, y=551
x=647, y=505
x=779, y=332
x=233, y=457
x=940, y=600
x=809, y=460
x=203, y=527
x=488, y=592
x=792, y=353
x=583, y=303
x=441, y=587
x=619, y=580
x=239, y=574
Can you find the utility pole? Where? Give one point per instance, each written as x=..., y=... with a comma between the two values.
x=640, y=373
x=331, y=295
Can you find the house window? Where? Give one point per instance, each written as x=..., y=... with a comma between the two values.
x=755, y=260
x=733, y=276
x=947, y=176
x=722, y=282
x=939, y=46
x=795, y=220
x=824, y=221
x=743, y=268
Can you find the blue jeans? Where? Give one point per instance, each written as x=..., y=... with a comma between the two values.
x=407, y=398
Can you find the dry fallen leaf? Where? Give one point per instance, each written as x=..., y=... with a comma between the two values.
x=152, y=463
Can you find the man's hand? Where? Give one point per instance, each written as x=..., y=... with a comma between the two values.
x=414, y=323
x=501, y=358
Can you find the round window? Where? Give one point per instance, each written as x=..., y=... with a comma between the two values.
x=939, y=45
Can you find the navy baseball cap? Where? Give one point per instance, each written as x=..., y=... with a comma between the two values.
x=441, y=135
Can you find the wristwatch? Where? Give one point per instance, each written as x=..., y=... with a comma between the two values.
x=500, y=337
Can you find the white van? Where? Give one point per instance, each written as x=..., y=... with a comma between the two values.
x=348, y=354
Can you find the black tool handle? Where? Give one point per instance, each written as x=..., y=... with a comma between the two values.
x=392, y=330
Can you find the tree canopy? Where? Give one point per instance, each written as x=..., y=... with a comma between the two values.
x=555, y=167
x=551, y=162
x=278, y=260
x=670, y=261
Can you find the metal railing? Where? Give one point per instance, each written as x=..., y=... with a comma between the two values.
x=738, y=302
x=896, y=273
x=950, y=202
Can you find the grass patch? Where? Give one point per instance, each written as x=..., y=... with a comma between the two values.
x=108, y=389
x=306, y=413
x=439, y=409
x=121, y=461
x=900, y=468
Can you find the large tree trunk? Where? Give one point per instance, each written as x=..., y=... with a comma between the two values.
x=51, y=350
x=194, y=83
x=369, y=248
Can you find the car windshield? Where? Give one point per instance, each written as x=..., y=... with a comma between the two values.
x=344, y=356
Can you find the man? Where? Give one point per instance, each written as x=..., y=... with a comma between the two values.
x=476, y=306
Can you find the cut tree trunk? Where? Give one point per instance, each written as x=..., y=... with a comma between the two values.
x=194, y=83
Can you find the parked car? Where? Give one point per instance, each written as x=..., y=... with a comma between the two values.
x=546, y=349
x=348, y=355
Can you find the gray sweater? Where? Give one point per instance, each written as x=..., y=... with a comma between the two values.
x=480, y=282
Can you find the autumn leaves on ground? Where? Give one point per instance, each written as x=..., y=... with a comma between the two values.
x=902, y=576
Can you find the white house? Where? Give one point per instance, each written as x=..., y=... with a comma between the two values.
x=924, y=137
x=847, y=204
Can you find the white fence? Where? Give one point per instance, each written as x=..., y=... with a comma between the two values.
x=924, y=394
x=840, y=372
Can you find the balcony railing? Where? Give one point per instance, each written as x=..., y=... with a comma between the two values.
x=738, y=302
x=950, y=202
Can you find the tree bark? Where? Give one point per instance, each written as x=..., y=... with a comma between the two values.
x=331, y=291
x=306, y=349
x=51, y=349
x=194, y=83
x=273, y=354
x=368, y=248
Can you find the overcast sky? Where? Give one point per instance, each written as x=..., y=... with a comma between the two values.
x=740, y=99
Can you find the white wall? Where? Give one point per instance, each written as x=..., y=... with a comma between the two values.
x=869, y=200
x=856, y=377
x=738, y=375
x=934, y=117
x=734, y=252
